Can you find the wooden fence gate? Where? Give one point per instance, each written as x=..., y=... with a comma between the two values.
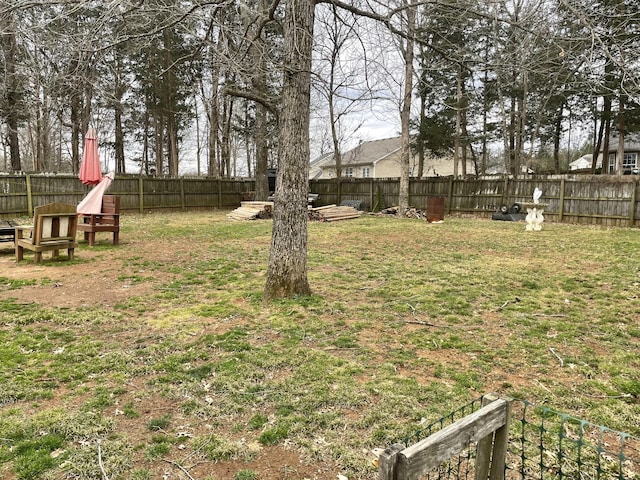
x=488, y=428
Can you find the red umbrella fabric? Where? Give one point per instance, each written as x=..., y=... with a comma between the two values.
x=92, y=203
x=90, y=172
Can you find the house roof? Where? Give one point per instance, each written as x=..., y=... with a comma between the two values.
x=372, y=151
x=369, y=152
x=315, y=166
x=631, y=142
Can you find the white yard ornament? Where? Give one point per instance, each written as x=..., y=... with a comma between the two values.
x=537, y=193
x=534, y=217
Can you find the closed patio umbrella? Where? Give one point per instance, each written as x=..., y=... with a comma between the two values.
x=92, y=202
x=90, y=171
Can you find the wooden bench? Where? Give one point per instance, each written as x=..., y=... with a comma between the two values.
x=54, y=229
x=106, y=221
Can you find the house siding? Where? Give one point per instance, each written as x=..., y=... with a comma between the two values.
x=382, y=158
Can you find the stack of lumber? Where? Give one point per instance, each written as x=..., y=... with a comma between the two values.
x=332, y=213
x=252, y=211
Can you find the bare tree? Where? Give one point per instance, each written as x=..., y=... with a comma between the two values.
x=340, y=74
x=10, y=103
x=405, y=112
x=258, y=52
x=287, y=271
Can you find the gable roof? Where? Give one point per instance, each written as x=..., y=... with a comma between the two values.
x=372, y=151
x=365, y=153
x=631, y=142
x=315, y=166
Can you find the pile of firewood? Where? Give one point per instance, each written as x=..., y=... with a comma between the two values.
x=252, y=211
x=332, y=213
x=410, y=213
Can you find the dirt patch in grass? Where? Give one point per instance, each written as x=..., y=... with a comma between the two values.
x=98, y=278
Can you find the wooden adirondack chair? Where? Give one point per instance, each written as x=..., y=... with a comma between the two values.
x=54, y=229
x=106, y=221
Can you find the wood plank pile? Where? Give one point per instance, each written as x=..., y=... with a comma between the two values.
x=332, y=213
x=252, y=211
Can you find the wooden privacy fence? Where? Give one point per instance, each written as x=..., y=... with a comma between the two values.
x=588, y=199
x=598, y=199
x=19, y=194
x=488, y=428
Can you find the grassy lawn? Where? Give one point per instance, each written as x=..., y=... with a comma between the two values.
x=190, y=372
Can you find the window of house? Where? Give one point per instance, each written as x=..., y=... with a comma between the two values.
x=365, y=172
x=348, y=172
x=629, y=162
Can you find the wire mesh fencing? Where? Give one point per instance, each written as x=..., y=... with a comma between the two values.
x=546, y=444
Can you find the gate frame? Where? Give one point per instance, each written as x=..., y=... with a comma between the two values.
x=489, y=427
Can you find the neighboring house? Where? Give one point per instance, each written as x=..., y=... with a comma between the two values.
x=584, y=163
x=376, y=159
x=631, y=160
x=630, y=164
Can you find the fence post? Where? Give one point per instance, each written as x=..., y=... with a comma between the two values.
x=29, y=197
x=387, y=462
x=500, y=446
x=561, y=200
x=491, y=451
x=371, y=194
x=450, y=195
x=219, y=193
x=140, y=195
x=632, y=207
x=505, y=189
x=182, y=202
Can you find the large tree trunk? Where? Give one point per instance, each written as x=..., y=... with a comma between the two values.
x=158, y=130
x=607, y=134
x=556, y=140
x=172, y=145
x=597, y=143
x=225, y=141
x=119, y=138
x=337, y=155
x=457, y=141
x=262, y=154
x=145, y=144
x=606, y=114
x=11, y=100
x=76, y=132
x=213, y=167
x=287, y=271
x=621, y=135
x=260, y=86
x=421, y=135
x=405, y=114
